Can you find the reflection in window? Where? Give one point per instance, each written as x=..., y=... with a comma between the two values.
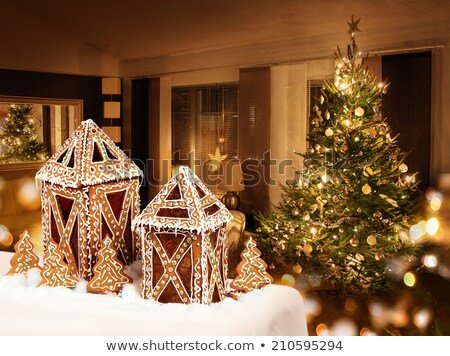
x=205, y=128
x=32, y=132
x=19, y=140
x=31, y=129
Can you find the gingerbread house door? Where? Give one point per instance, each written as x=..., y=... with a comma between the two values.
x=112, y=208
x=64, y=222
x=174, y=261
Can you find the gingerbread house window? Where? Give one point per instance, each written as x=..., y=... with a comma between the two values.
x=184, y=250
x=90, y=190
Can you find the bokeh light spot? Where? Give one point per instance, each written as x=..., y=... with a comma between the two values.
x=432, y=226
x=288, y=280
x=409, y=279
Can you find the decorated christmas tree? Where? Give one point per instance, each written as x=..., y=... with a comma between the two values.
x=109, y=274
x=24, y=258
x=346, y=220
x=56, y=271
x=252, y=270
x=18, y=138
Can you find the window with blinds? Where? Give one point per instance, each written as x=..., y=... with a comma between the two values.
x=205, y=128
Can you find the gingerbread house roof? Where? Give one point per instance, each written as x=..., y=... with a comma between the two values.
x=184, y=203
x=87, y=157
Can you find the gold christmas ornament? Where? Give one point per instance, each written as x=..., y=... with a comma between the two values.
x=365, y=284
x=403, y=168
x=329, y=132
x=378, y=215
x=327, y=115
x=366, y=189
x=373, y=133
x=354, y=242
x=295, y=212
x=322, y=99
x=344, y=148
x=297, y=268
x=368, y=172
x=379, y=256
x=359, y=111
x=371, y=240
x=307, y=249
x=306, y=217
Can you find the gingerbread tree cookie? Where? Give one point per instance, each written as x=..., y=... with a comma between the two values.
x=109, y=275
x=251, y=270
x=56, y=271
x=24, y=259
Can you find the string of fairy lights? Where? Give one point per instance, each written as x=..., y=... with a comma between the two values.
x=381, y=314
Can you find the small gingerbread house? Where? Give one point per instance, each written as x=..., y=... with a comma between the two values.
x=90, y=189
x=184, y=246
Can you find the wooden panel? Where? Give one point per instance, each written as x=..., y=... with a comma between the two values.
x=407, y=106
x=139, y=129
x=154, y=164
x=111, y=109
x=113, y=132
x=254, y=137
x=53, y=85
x=111, y=86
x=145, y=117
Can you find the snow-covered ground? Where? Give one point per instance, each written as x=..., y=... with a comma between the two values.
x=26, y=309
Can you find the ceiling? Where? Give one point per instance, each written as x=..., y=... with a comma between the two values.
x=137, y=29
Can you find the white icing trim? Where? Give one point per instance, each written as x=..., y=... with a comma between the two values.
x=82, y=140
x=197, y=221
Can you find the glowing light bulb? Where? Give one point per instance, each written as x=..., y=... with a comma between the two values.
x=409, y=279
x=322, y=330
x=435, y=203
x=430, y=261
x=422, y=318
x=313, y=307
x=415, y=232
x=423, y=227
x=6, y=239
x=343, y=86
x=432, y=226
x=325, y=178
x=313, y=230
x=288, y=280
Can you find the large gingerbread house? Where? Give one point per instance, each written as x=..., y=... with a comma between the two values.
x=89, y=190
x=184, y=246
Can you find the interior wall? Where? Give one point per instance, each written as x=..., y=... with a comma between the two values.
x=440, y=124
x=255, y=138
x=288, y=124
x=30, y=44
x=318, y=53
